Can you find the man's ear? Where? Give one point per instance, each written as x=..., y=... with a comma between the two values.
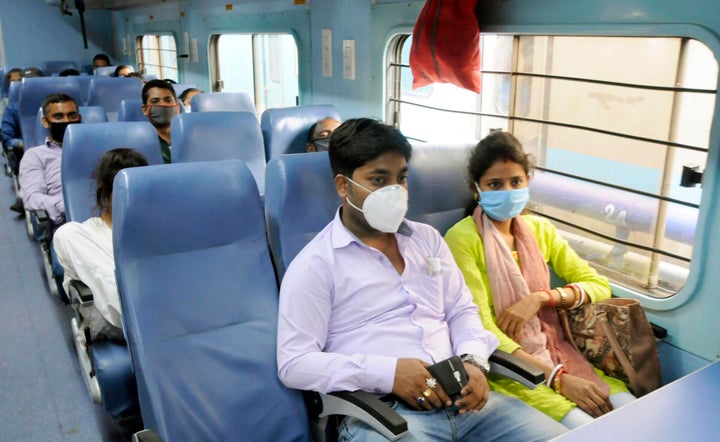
x=310, y=147
x=145, y=109
x=45, y=122
x=341, y=185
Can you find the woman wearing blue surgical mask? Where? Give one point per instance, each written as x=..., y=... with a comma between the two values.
x=504, y=257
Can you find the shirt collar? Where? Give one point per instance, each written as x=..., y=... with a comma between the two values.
x=342, y=236
x=49, y=142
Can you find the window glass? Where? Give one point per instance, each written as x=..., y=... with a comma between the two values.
x=610, y=121
x=264, y=65
x=157, y=55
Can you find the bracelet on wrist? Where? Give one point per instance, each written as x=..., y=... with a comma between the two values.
x=551, y=302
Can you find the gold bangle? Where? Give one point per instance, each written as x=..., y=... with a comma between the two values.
x=563, y=297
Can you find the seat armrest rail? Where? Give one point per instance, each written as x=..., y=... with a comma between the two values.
x=511, y=366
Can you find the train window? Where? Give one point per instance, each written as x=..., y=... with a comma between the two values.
x=611, y=122
x=157, y=54
x=265, y=65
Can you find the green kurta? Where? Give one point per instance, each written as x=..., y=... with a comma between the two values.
x=467, y=248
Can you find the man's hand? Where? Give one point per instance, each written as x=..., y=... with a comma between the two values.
x=475, y=393
x=411, y=383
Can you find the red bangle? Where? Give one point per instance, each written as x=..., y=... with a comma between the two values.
x=556, y=380
x=551, y=303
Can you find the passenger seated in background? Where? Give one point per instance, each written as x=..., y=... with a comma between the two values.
x=40, y=179
x=11, y=75
x=137, y=75
x=100, y=61
x=187, y=95
x=360, y=309
x=319, y=135
x=504, y=258
x=123, y=71
x=85, y=249
x=160, y=106
x=69, y=72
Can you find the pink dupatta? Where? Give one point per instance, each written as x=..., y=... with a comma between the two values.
x=542, y=336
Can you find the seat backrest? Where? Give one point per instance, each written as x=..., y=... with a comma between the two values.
x=83, y=146
x=285, y=129
x=84, y=83
x=223, y=101
x=180, y=87
x=148, y=77
x=200, y=302
x=300, y=200
x=109, y=92
x=89, y=114
x=55, y=67
x=437, y=184
x=105, y=71
x=212, y=136
x=33, y=92
x=14, y=93
x=131, y=110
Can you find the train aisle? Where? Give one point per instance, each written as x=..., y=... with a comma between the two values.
x=43, y=395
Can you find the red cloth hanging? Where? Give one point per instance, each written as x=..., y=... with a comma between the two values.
x=446, y=45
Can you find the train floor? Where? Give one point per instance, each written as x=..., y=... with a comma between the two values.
x=42, y=394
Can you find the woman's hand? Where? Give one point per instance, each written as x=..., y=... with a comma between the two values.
x=514, y=317
x=585, y=394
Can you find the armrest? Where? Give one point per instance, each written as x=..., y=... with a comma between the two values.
x=42, y=226
x=365, y=407
x=80, y=293
x=146, y=436
x=505, y=364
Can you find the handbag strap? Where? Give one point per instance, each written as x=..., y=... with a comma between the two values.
x=617, y=349
x=562, y=313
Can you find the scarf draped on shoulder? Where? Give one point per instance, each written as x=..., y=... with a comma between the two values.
x=542, y=336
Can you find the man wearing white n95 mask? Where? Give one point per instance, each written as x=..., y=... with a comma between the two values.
x=374, y=299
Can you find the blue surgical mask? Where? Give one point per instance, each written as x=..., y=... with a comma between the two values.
x=502, y=205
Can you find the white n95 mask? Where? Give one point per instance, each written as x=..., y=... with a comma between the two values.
x=384, y=209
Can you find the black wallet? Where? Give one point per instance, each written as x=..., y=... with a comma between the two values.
x=451, y=375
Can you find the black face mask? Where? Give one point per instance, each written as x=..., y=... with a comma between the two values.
x=57, y=130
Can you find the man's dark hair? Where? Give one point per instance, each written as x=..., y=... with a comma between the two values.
x=360, y=140
x=112, y=162
x=101, y=57
x=69, y=72
x=13, y=71
x=32, y=71
x=162, y=84
x=55, y=98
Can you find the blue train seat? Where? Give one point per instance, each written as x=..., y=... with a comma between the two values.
x=83, y=81
x=223, y=101
x=55, y=67
x=285, y=129
x=200, y=304
x=300, y=199
x=109, y=92
x=148, y=77
x=105, y=71
x=32, y=93
x=89, y=114
x=131, y=110
x=205, y=136
x=180, y=87
x=438, y=185
x=105, y=365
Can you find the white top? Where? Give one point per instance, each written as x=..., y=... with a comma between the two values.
x=85, y=250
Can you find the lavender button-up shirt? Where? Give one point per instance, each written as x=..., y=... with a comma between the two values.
x=346, y=315
x=40, y=180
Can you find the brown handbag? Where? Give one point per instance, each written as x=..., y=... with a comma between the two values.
x=615, y=336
